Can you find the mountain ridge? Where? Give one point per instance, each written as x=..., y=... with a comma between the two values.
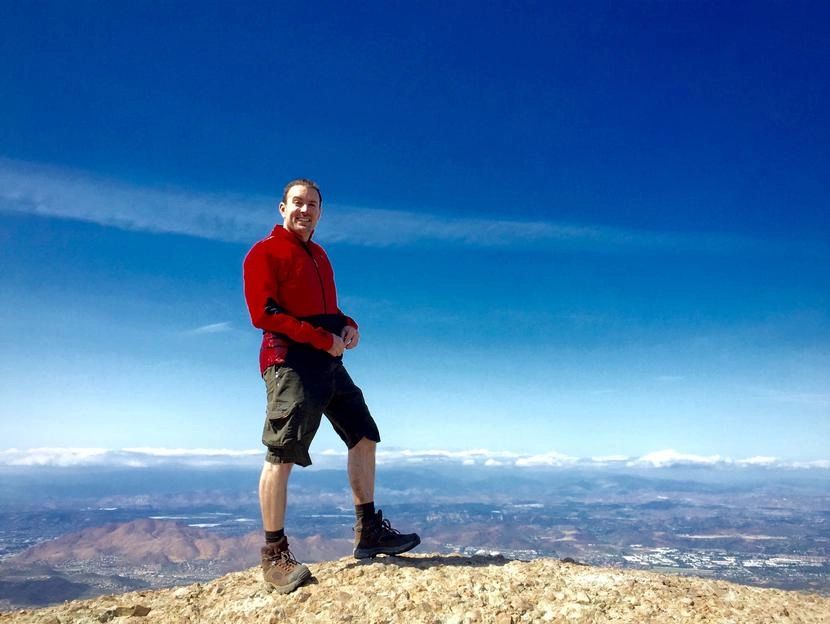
x=157, y=541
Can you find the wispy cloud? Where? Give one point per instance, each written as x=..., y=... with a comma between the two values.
x=202, y=457
x=54, y=192
x=377, y=227
x=212, y=328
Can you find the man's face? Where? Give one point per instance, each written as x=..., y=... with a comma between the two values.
x=301, y=210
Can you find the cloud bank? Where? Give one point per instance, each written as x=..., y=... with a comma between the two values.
x=54, y=192
x=153, y=457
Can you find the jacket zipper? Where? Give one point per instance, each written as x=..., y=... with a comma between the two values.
x=319, y=278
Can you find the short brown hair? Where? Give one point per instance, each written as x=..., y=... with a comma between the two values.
x=302, y=182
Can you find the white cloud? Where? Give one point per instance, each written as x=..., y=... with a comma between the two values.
x=143, y=457
x=125, y=458
x=62, y=457
x=212, y=328
x=474, y=456
x=197, y=452
x=608, y=459
x=546, y=459
x=818, y=463
x=55, y=192
x=670, y=457
x=758, y=460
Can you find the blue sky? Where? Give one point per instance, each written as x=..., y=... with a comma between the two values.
x=586, y=229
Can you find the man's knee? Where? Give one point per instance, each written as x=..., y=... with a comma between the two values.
x=365, y=445
x=276, y=471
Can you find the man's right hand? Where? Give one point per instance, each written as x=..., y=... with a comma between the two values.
x=337, y=346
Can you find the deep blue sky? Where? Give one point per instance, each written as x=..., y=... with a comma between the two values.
x=591, y=228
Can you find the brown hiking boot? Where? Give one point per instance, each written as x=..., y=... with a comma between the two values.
x=377, y=537
x=281, y=572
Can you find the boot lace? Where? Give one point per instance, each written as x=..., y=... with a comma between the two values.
x=283, y=559
x=383, y=526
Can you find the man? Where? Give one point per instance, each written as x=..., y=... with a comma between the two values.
x=290, y=293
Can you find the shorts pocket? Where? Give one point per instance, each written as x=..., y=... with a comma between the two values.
x=283, y=391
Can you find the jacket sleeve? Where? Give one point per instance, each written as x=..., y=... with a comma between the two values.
x=260, y=282
x=349, y=319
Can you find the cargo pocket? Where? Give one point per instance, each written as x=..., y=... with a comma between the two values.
x=284, y=399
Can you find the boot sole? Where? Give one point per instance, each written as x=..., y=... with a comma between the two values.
x=367, y=553
x=290, y=587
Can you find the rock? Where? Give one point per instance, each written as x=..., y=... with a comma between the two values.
x=123, y=611
x=446, y=588
x=107, y=615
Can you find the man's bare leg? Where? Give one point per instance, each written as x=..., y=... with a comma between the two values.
x=362, y=471
x=280, y=570
x=373, y=535
x=273, y=494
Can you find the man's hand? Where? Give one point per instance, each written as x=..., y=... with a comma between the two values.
x=350, y=336
x=337, y=346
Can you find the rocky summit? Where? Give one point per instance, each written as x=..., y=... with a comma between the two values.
x=447, y=588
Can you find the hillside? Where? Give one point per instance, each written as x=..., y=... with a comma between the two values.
x=165, y=542
x=141, y=554
x=439, y=588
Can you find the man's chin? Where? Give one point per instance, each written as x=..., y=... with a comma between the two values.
x=301, y=230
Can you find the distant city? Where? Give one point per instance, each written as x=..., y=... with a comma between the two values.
x=80, y=532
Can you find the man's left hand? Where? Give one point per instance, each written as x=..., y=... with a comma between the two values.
x=350, y=336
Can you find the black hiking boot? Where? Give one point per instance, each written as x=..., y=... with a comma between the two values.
x=377, y=537
x=280, y=571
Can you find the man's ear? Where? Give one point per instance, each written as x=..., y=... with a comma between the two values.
x=282, y=209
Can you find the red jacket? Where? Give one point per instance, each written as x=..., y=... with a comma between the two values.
x=287, y=280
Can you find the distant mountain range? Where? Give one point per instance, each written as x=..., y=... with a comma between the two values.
x=167, y=543
x=100, y=531
x=141, y=553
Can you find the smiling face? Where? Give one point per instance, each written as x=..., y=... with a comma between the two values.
x=301, y=210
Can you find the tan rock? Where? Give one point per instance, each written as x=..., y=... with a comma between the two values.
x=442, y=588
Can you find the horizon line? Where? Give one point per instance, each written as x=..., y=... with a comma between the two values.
x=148, y=457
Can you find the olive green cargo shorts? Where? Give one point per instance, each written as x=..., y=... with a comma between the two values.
x=297, y=397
